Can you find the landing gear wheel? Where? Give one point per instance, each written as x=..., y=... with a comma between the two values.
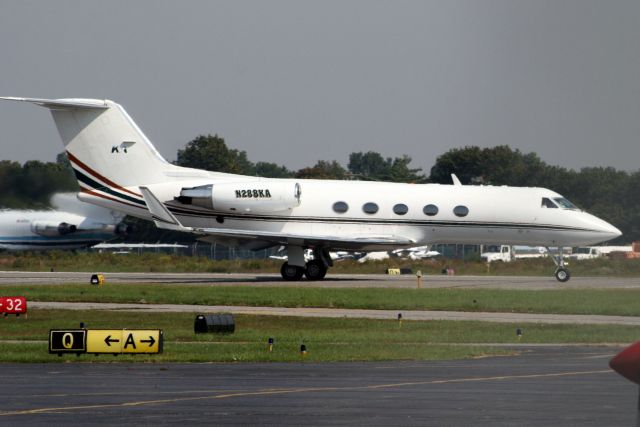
x=291, y=272
x=315, y=270
x=562, y=274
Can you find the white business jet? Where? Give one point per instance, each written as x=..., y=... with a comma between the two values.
x=72, y=224
x=117, y=167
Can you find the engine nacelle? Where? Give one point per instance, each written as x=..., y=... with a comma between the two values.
x=123, y=229
x=52, y=229
x=244, y=197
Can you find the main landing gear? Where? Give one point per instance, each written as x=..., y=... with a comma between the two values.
x=314, y=269
x=562, y=273
x=291, y=273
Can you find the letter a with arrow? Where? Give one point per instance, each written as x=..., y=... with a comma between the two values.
x=131, y=341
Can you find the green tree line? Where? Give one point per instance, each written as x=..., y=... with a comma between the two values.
x=611, y=194
x=30, y=186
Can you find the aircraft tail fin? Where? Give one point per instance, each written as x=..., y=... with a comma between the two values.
x=106, y=148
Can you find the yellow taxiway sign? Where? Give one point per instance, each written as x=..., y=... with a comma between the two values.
x=124, y=341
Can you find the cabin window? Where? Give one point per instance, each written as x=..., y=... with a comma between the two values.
x=564, y=203
x=370, y=208
x=400, y=209
x=340, y=207
x=547, y=203
x=430, y=210
x=461, y=210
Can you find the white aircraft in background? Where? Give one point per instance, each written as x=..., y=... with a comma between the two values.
x=72, y=225
x=419, y=252
x=117, y=167
x=281, y=255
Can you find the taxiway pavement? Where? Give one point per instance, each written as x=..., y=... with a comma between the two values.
x=559, y=386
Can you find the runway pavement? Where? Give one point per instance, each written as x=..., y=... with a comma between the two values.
x=560, y=386
x=332, y=280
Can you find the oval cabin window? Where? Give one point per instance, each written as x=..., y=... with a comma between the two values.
x=461, y=211
x=430, y=210
x=400, y=209
x=370, y=208
x=340, y=207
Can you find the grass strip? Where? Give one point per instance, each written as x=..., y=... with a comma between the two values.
x=623, y=302
x=22, y=340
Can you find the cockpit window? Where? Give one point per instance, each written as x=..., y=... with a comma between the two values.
x=547, y=203
x=564, y=203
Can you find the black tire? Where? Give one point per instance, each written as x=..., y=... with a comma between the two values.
x=315, y=270
x=291, y=272
x=562, y=274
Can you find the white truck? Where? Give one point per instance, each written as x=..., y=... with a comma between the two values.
x=497, y=253
x=591, y=252
x=508, y=253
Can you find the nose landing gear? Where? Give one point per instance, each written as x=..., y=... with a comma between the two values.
x=562, y=273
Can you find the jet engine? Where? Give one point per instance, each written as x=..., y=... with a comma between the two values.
x=123, y=229
x=244, y=197
x=52, y=229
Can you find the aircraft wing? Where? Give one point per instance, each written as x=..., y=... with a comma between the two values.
x=163, y=218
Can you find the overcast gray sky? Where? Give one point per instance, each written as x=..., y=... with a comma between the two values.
x=293, y=82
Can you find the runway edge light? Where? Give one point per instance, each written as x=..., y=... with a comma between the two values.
x=97, y=279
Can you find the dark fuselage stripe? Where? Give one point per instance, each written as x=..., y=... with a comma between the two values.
x=100, y=177
x=423, y=223
x=93, y=193
x=97, y=186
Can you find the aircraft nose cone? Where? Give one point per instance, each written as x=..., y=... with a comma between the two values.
x=608, y=230
x=600, y=230
x=613, y=231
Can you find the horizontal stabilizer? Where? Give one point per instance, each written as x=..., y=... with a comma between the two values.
x=62, y=104
x=160, y=214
